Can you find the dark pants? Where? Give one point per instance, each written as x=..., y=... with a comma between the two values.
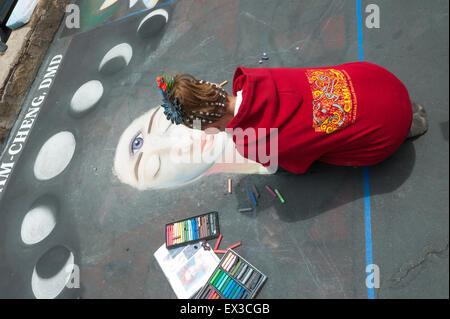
x=6, y=8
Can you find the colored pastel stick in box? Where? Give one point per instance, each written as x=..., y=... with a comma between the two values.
x=233, y=278
x=191, y=230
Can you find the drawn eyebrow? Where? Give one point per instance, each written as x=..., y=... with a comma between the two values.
x=150, y=124
x=138, y=162
x=136, y=167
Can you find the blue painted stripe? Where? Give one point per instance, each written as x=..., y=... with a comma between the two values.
x=368, y=226
x=360, y=30
x=367, y=215
x=139, y=12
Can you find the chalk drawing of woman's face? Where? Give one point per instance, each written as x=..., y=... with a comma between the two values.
x=154, y=153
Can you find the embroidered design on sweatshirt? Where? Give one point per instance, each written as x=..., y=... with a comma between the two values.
x=334, y=99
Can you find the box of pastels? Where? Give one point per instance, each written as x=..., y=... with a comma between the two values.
x=191, y=230
x=234, y=278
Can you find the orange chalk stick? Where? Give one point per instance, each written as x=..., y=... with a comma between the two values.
x=218, y=242
x=235, y=245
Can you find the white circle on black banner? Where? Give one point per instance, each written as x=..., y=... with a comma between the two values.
x=86, y=97
x=50, y=288
x=116, y=59
x=153, y=23
x=37, y=224
x=54, y=156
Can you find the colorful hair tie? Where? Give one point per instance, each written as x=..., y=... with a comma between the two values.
x=172, y=107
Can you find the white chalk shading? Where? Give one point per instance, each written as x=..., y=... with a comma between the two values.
x=54, y=156
x=150, y=3
x=86, y=97
x=170, y=39
x=133, y=3
x=116, y=59
x=107, y=4
x=151, y=23
x=50, y=288
x=173, y=155
x=37, y=224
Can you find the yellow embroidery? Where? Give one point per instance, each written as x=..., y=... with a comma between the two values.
x=334, y=100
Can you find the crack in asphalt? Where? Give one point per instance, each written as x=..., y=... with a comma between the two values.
x=397, y=281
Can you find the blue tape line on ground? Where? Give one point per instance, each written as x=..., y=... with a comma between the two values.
x=368, y=226
x=138, y=12
x=367, y=215
x=360, y=30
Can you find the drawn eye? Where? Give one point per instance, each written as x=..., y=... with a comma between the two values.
x=137, y=143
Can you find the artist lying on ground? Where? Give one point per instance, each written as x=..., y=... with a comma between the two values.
x=355, y=114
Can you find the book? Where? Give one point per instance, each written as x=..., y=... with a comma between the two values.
x=187, y=268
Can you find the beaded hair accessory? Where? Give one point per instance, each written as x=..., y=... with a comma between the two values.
x=215, y=109
x=174, y=110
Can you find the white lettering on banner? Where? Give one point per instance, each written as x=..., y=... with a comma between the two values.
x=13, y=151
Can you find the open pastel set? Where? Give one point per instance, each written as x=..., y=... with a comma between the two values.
x=191, y=230
x=234, y=278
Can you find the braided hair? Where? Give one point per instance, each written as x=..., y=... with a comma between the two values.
x=200, y=101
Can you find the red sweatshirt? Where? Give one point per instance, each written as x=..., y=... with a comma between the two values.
x=354, y=114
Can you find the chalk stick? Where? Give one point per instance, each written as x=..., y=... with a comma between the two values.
x=235, y=245
x=234, y=291
x=255, y=282
x=233, y=272
x=238, y=271
x=252, y=279
x=242, y=271
x=216, y=246
x=279, y=196
x=253, y=199
x=225, y=261
x=241, y=293
x=233, y=264
x=230, y=262
x=256, y=191
x=215, y=276
x=271, y=191
x=249, y=273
